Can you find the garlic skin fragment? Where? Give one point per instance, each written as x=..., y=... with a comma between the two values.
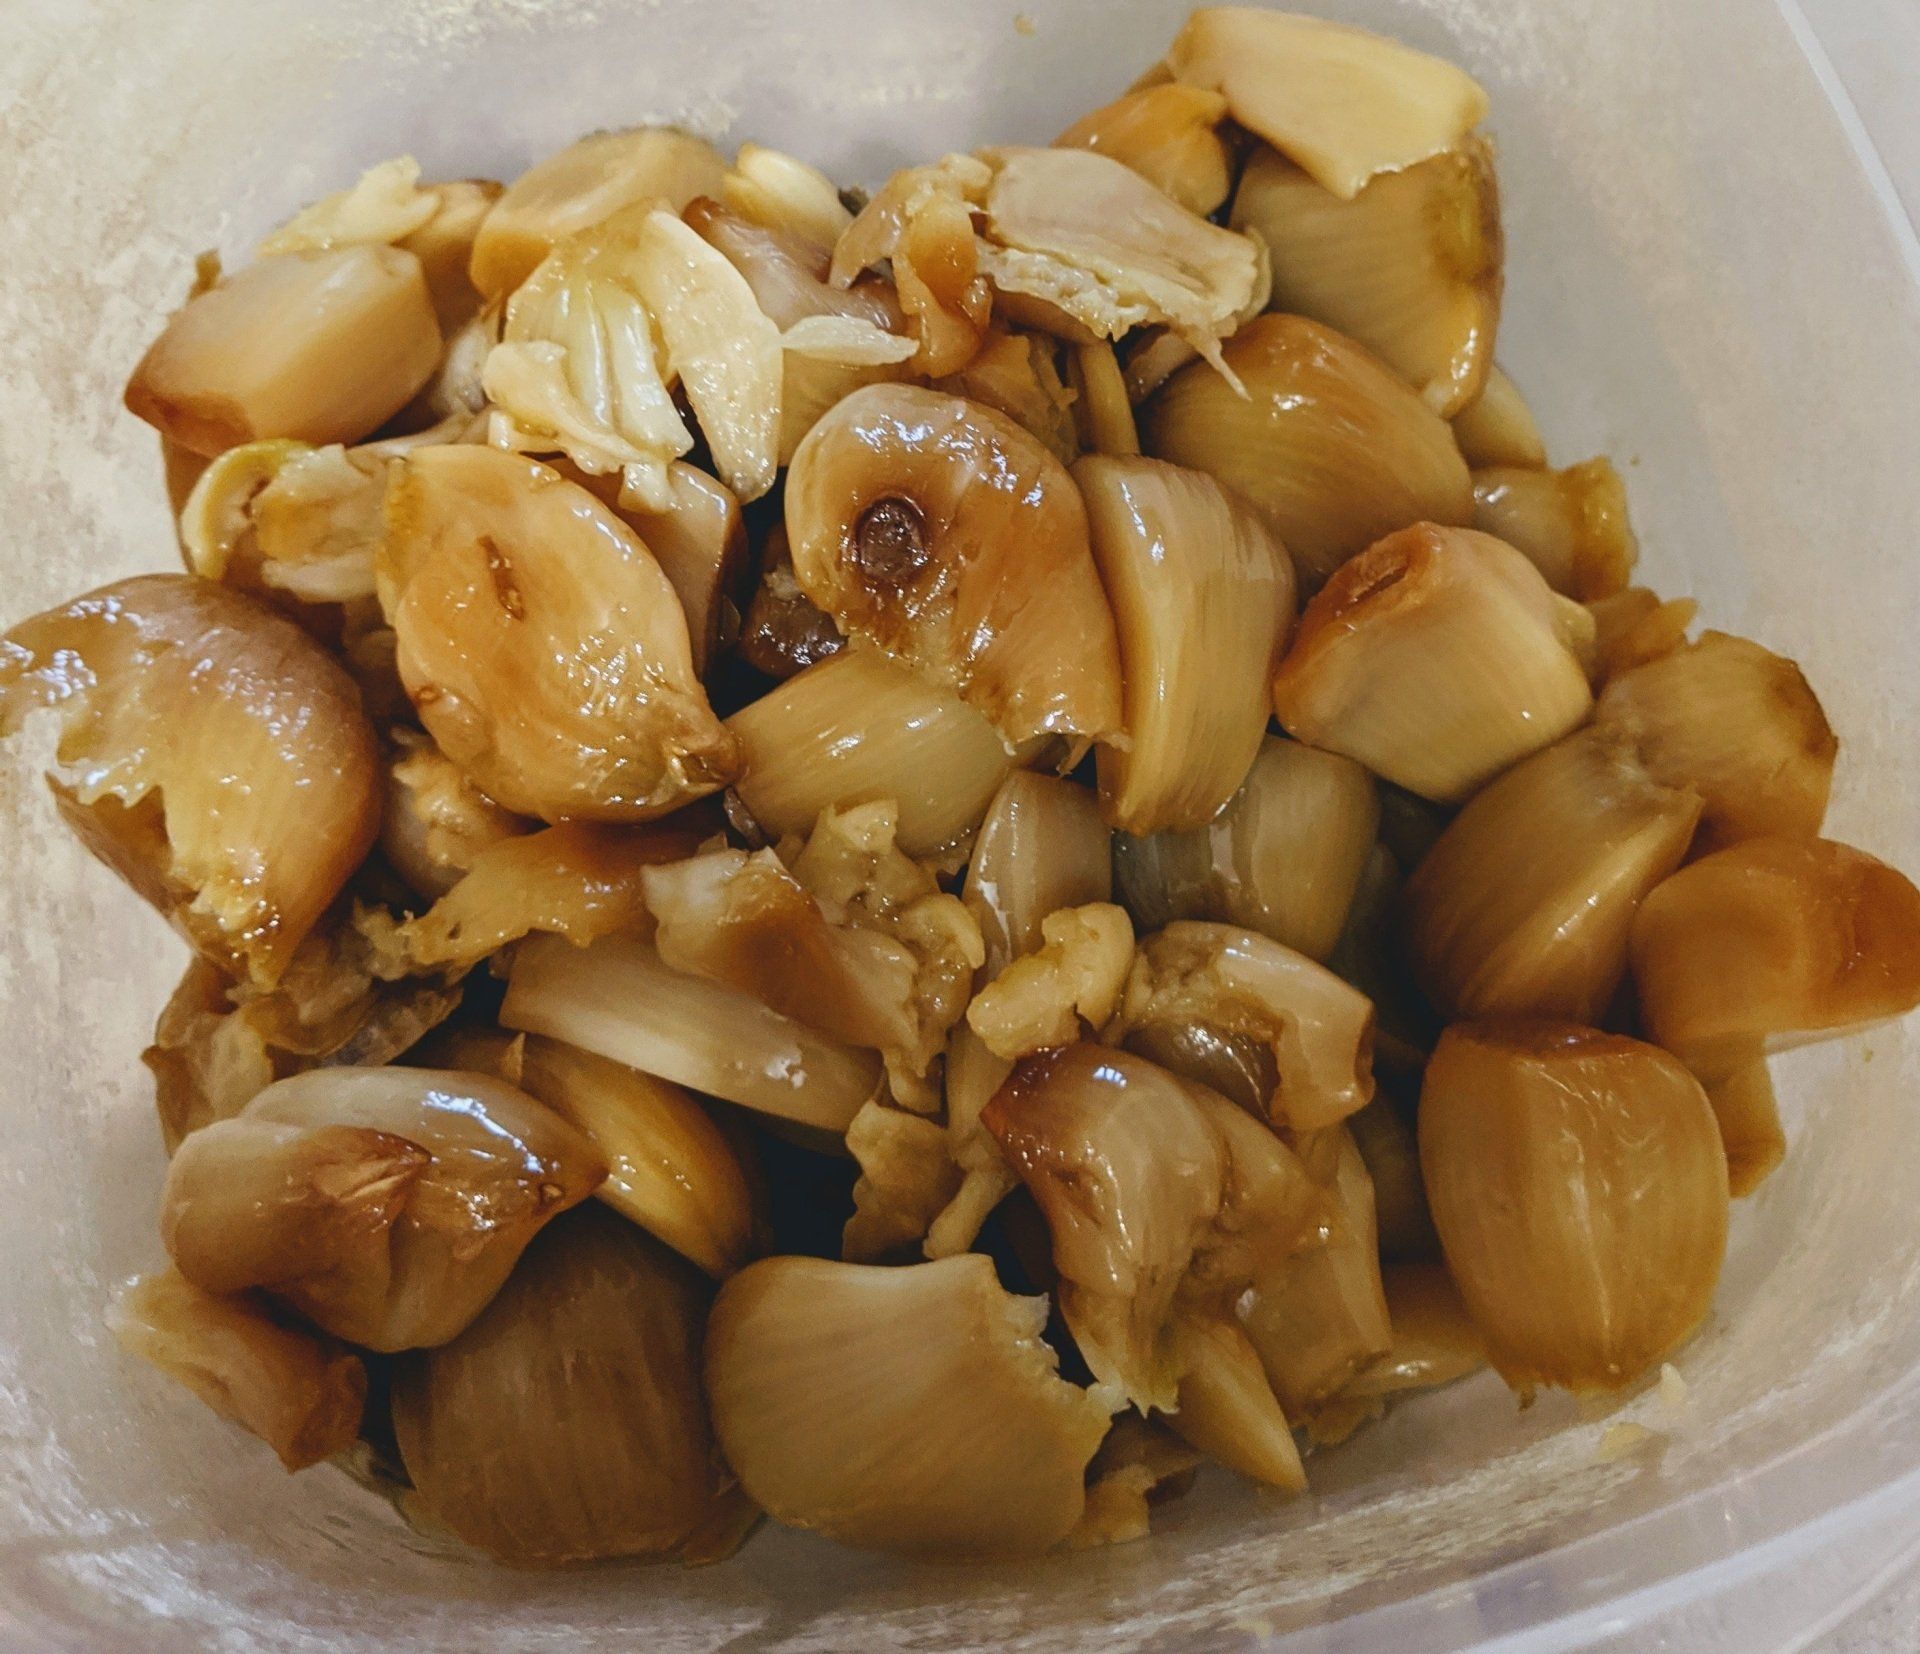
x=1572, y=525
x=1737, y=723
x=566, y=1423
x=1327, y=443
x=949, y=536
x=1774, y=942
x=1341, y=102
x=1410, y=267
x=907, y=1178
x=544, y=649
x=385, y=1204
x=1497, y=427
x=1170, y=136
x=912, y=1409
x=1139, y=1464
x=858, y=727
x=321, y=346
x=1280, y=1035
x=1580, y=1190
x=1523, y=906
x=1284, y=857
x=581, y=186
x=219, y=759
x=616, y=998
x=1203, y=600
x=299, y=1392
x=1075, y=975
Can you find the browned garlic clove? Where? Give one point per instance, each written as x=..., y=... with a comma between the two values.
x=1170, y=135
x=1227, y=1406
x=700, y=543
x=1497, y=427
x=1634, y=627
x=784, y=631
x=1572, y=525
x=1018, y=374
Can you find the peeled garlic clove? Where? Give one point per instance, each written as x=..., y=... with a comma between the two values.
x=1410, y=266
x=1738, y=724
x=444, y=247
x=906, y=1177
x=948, y=535
x=700, y=543
x=208, y=1060
x=436, y=821
x=1437, y=658
x=1497, y=427
x=782, y=192
x=1572, y=525
x=617, y=999
x=319, y=346
x=1170, y=135
x=861, y=726
x=545, y=650
x=783, y=631
x=221, y=763
x=566, y=1423
x=1202, y=596
x=1775, y=940
x=1748, y=1115
x=299, y=1393
x=1580, y=1191
x=1341, y=102
x=1139, y=1465
x=1018, y=374
x=910, y=1409
x=1523, y=906
x=1319, y=1315
x=1042, y=997
x=1328, y=444
x=1283, y=858
x=583, y=185
x=1633, y=627
x=1266, y=1026
x=1434, y=1342
x=1228, y=1409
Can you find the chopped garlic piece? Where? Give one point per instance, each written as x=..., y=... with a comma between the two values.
x=1040, y=999
x=387, y=204
x=1621, y=1441
x=1673, y=1388
x=906, y=1177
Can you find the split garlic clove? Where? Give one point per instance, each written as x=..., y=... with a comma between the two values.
x=617, y=999
x=1284, y=857
x=1497, y=427
x=299, y=1392
x=1327, y=443
x=949, y=536
x=670, y=1169
x=1228, y=1409
x=1774, y=941
x=219, y=759
x=209, y=1058
x=1737, y=723
x=1634, y=627
x=861, y=726
x=1279, y=1034
x=566, y=1424
x=1170, y=135
x=1523, y=906
x=542, y=645
x=581, y=186
x=322, y=346
x=1748, y=1114
x=783, y=630
x=1580, y=1190
x=1203, y=599
x=436, y=822
x=1437, y=658
x=1410, y=266
x=700, y=542
x=1572, y=525
x=912, y=1409
x=1341, y=102
x=907, y=1177
x=1042, y=998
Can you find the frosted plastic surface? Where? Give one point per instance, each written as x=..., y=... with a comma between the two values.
x=1699, y=282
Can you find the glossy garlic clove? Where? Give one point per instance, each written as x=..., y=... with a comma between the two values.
x=1228, y=1409
x=1170, y=135
x=700, y=542
x=1497, y=427
x=782, y=192
x=1571, y=525
x=1634, y=627
x=1748, y=1114
x=783, y=630
x=1434, y=1342
x=1074, y=976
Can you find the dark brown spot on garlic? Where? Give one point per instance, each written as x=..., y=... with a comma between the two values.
x=890, y=542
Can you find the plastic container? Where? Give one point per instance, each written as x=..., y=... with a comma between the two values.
x=1701, y=281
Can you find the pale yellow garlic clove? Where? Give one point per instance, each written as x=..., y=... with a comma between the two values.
x=581, y=186
x=1282, y=1036
x=1228, y=1409
x=1018, y=374
x=1284, y=857
x=544, y=648
x=1580, y=1190
x=1170, y=135
x=1633, y=627
x=1777, y=941
x=444, y=247
x=1571, y=525
x=1341, y=102
x=700, y=542
x=1434, y=1342
x=1497, y=427
x=907, y=1177
x=1748, y=1114
x=861, y=726
x=299, y=1392
x=1075, y=976
x=436, y=821
x=1387, y=1144
x=1140, y=1464
x=1327, y=442
x=1738, y=724
x=1203, y=599
x=386, y=204
x=566, y=1424
x=219, y=761
x=216, y=519
x=617, y=999
x=1410, y=266
x=319, y=346
x=1523, y=906
x=783, y=192
x=912, y=1409
x=948, y=535
x=1437, y=658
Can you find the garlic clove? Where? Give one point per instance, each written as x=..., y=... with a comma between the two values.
x=1389, y=1148
x=782, y=192
x=1748, y=1114
x=1139, y=1465
x=1102, y=411
x=1228, y=1409
x=1634, y=627
x=1018, y=374
x=700, y=542
x=1497, y=427
x=1434, y=1342
x=1170, y=135
x=912, y=1409
x=1571, y=525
